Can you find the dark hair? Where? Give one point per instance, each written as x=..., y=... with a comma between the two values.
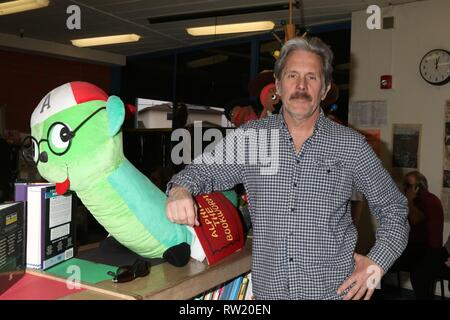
x=421, y=180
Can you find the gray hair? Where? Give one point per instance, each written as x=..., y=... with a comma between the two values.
x=313, y=45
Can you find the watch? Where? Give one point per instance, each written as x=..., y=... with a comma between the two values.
x=435, y=67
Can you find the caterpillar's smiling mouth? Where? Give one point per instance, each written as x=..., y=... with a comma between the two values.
x=62, y=187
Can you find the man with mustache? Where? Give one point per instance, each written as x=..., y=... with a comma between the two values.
x=303, y=235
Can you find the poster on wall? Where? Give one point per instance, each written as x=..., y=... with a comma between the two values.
x=406, y=143
x=445, y=197
x=447, y=137
x=445, y=200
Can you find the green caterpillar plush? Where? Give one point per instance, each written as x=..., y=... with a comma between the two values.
x=77, y=144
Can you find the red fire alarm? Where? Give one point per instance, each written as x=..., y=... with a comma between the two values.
x=386, y=82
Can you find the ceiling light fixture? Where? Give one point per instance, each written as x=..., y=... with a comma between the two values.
x=21, y=5
x=101, y=41
x=231, y=28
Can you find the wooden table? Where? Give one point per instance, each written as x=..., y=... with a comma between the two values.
x=166, y=282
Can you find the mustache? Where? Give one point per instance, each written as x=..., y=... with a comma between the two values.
x=300, y=95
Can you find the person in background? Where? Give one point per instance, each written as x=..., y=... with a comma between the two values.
x=303, y=234
x=426, y=218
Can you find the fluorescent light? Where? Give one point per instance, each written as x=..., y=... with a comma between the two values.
x=21, y=5
x=231, y=28
x=100, y=41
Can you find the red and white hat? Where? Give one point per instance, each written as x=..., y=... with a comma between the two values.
x=64, y=97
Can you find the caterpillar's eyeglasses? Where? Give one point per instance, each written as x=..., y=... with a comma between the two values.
x=59, y=140
x=140, y=268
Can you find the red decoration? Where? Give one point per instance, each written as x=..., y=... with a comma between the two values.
x=62, y=187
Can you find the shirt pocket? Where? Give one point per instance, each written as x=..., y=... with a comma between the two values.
x=327, y=177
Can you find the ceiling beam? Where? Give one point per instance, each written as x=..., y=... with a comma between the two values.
x=219, y=13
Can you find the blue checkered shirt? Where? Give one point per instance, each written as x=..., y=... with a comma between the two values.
x=303, y=235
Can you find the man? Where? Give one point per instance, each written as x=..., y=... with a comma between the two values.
x=303, y=235
x=426, y=217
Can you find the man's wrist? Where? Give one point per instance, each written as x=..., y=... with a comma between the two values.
x=174, y=187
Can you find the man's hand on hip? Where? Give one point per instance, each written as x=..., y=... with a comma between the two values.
x=365, y=278
x=181, y=207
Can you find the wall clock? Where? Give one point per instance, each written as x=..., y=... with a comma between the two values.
x=435, y=67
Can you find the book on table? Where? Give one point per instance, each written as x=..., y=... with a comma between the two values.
x=50, y=224
x=12, y=244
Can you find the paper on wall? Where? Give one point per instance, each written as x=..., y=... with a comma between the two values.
x=447, y=137
x=368, y=113
x=445, y=197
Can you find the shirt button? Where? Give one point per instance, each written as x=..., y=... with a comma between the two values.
x=291, y=259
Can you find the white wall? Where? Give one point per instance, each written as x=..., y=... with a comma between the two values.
x=418, y=28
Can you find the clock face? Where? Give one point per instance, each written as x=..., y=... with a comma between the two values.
x=435, y=67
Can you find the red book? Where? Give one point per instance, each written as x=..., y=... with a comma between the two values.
x=220, y=231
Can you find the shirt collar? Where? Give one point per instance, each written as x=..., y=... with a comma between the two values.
x=318, y=126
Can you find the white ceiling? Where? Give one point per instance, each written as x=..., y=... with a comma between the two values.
x=106, y=17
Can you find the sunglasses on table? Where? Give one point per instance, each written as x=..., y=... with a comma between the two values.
x=140, y=268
